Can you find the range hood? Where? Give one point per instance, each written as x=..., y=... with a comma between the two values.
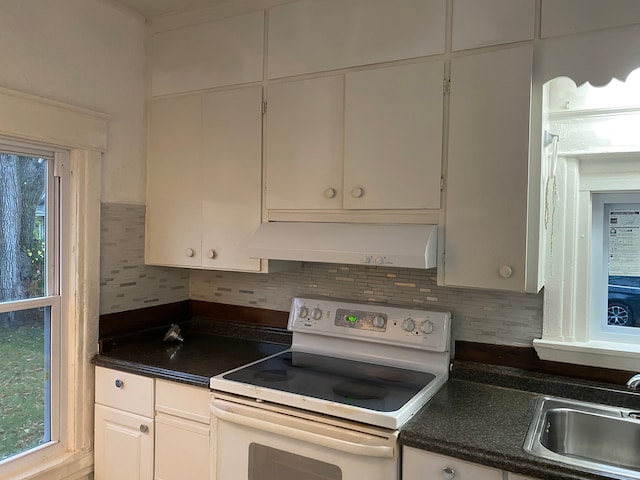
x=409, y=246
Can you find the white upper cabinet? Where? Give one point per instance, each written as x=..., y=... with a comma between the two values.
x=231, y=177
x=174, y=208
x=208, y=55
x=393, y=137
x=480, y=23
x=304, y=144
x=566, y=17
x=487, y=239
x=312, y=36
x=370, y=139
x=204, y=179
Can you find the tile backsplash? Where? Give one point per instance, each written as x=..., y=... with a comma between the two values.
x=478, y=315
x=126, y=283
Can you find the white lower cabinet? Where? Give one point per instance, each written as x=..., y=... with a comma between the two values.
x=422, y=465
x=124, y=427
x=150, y=429
x=182, y=432
x=123, y=446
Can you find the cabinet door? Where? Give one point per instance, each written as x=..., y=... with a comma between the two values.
x=566, y=17
x=207, y=55
x=420, y=464
x=173, y=182
x=304, y=143
x=393, y=137
x=312, y=36
x=231, y=177
x=478, y=23
x=182, y=449
x=487, y=184
x=123, y=445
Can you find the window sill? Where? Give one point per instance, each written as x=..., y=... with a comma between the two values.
x=618, y=356
x=50, y=466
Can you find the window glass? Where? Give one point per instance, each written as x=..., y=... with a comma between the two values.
x=623, y=242
x=28, y=308
x=615, y=267
x=24, y=381
x=23, y=191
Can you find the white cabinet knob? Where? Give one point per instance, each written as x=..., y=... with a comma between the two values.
x=448, y=473
x=190, y=252
x=144, y=428
x=357, y=192
x=212, y=254
x=505, y=271
x=330, y=193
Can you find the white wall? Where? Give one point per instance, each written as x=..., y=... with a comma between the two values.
x=89, y=54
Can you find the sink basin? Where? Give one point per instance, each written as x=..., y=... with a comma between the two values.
x=591, y=436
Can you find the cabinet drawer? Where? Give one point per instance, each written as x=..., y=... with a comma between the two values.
x=124, y=391
x=183, y=401
x=419, y=464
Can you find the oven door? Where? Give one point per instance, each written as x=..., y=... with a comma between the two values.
x=250, y=443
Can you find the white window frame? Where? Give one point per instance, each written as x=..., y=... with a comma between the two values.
x=83, y=134
x=567, y=304
x=600, y=271
x=56, y=208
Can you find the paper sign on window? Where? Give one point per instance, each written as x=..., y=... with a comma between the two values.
x=624, y=242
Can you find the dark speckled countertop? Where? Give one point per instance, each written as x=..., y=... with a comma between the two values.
x=203, y=354
x=483, y=412
x=480, y=415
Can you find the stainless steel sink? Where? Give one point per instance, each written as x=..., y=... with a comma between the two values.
x=591, y=436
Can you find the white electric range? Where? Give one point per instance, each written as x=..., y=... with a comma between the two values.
x=331, y=405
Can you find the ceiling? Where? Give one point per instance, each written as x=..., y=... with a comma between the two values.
x=150, y=9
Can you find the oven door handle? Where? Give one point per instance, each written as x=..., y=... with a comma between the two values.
x=300, y=429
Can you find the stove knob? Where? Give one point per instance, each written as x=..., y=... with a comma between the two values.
x=316, y=314
x=426, y=327
x=409, y=324
x=303, y=312
x=378, y=321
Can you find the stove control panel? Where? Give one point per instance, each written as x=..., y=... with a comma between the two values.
x=424, y=329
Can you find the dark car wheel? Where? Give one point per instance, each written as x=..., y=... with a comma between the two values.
x=619, y=314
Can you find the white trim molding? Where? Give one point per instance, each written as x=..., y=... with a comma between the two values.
x=83, y=134
x=567, y=299
x=598, y=354
x=28, y=117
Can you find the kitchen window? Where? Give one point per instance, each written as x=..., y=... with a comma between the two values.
x=53, y=290
x=615, y=278
x=31, y=181
x=592, y=158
